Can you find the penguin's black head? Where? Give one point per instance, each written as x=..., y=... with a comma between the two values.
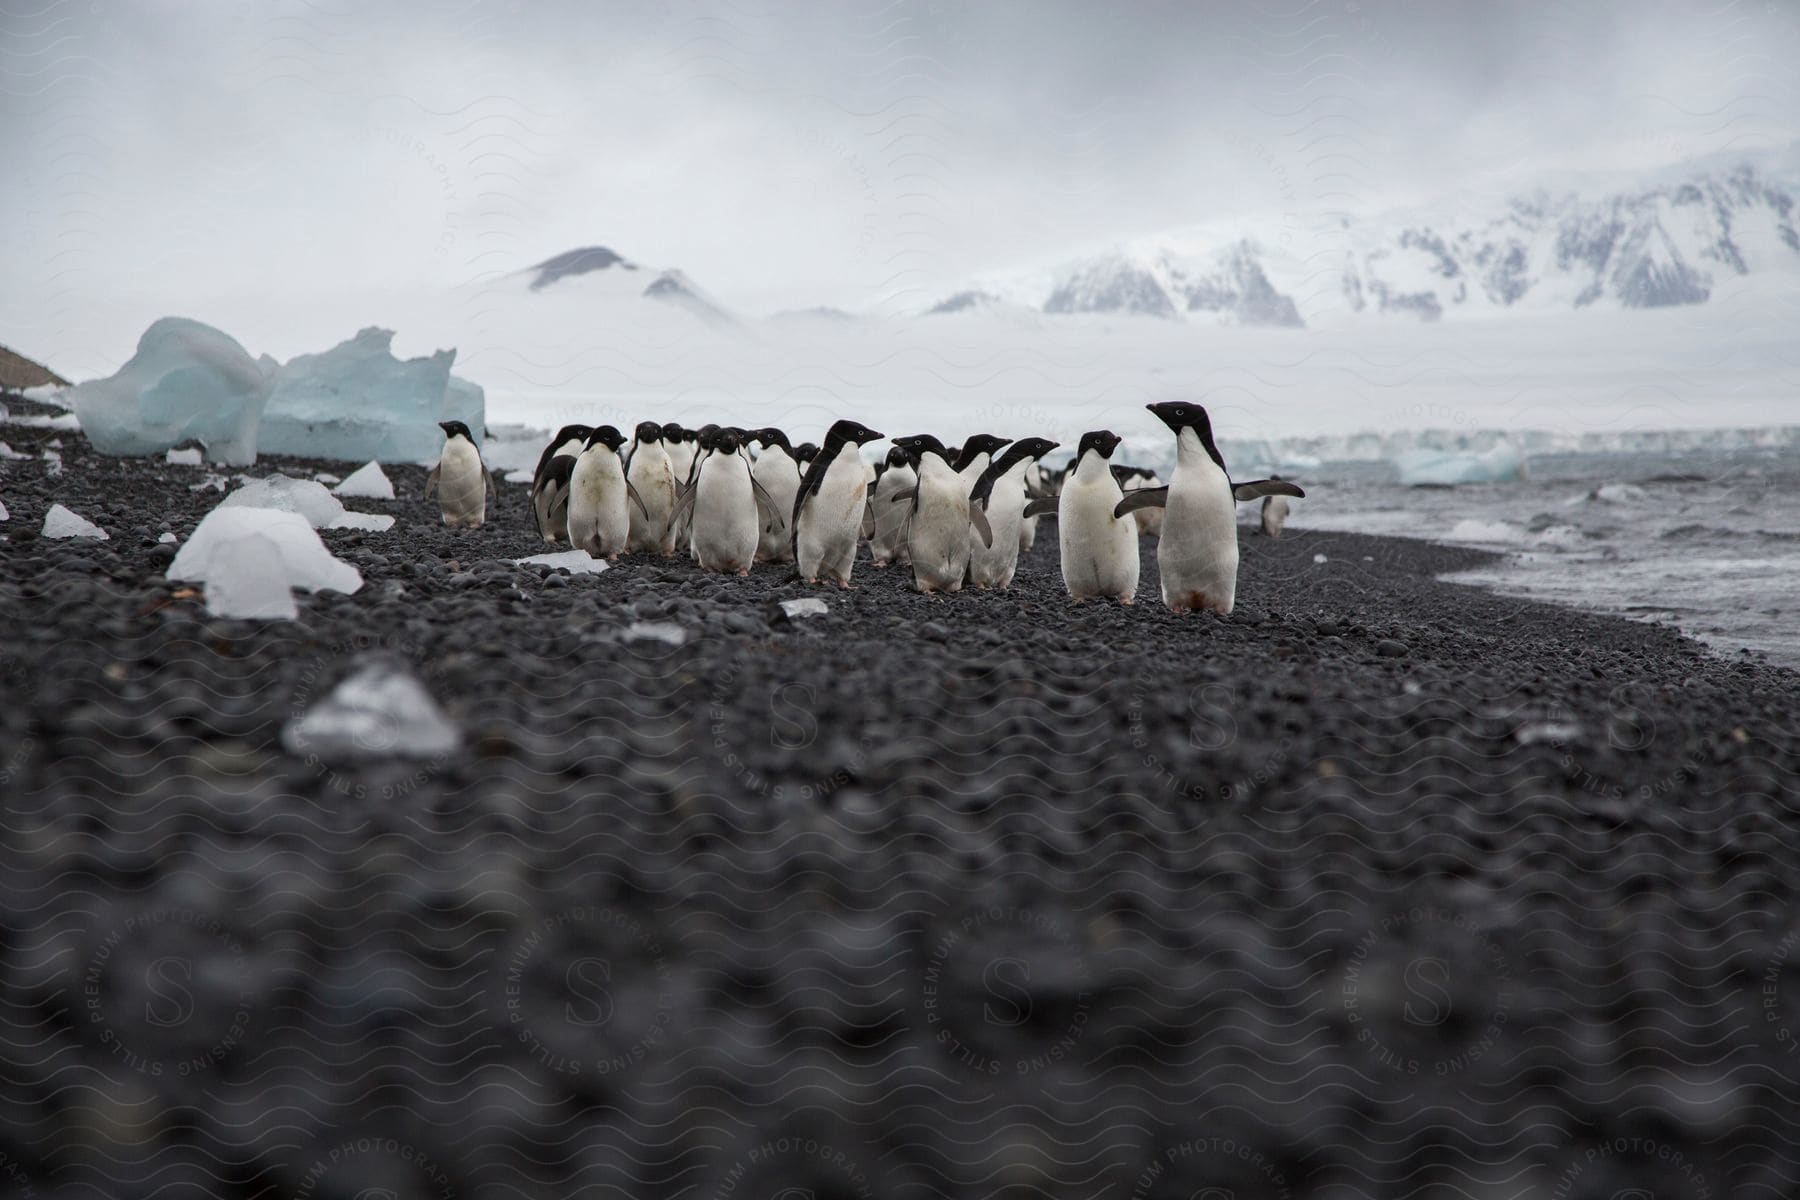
x=850, y=431
x=1105, y=441
x=919, y=445
x=673, y=432
x=606, y=435
x=725, y=441
x=897, y=456
x=708, y=437
x=649, y=431
x=771, y=436
x=571, y=433
x=1180, y=414
x=981, y=443
x=1032, y=447
x=805, y=452
x=454, y=429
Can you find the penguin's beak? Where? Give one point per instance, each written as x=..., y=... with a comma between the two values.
x=445, y=426
x=1165, y=412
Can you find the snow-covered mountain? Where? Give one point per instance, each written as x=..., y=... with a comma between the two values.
x=599, y=271
x=1668, y=238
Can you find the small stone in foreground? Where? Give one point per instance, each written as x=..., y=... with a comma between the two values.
x=1389, y=648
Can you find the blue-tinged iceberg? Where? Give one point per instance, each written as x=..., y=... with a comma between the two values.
x=187, y=380
x=1501, y=463
x=357, y=402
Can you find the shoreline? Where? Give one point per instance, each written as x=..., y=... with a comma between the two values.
x=1196, y=865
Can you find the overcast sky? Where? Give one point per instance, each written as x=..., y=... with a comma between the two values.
x=159, y=156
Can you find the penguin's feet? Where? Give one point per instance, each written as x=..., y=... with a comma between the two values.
x=1127, y=599
x=743, y=572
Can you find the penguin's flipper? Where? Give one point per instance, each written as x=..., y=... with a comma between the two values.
x=905, y=494
x=431, y=481
x=1258, y=488
x=1137, y=498
x=633, y=493
x=765, y=504
x=1043, y=506
x=684, y=507
x=979, y=519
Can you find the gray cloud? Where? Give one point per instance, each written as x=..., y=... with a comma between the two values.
x=211, y=156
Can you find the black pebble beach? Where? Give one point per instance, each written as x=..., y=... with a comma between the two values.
x=1383, y=886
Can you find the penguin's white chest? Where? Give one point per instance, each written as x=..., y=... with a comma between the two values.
x=1198, y=553
x=459, y=477
x=725, y=520
x=1099, y=550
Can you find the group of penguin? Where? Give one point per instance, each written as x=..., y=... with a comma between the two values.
x=955, y=516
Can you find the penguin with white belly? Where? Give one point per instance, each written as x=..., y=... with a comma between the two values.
x=828, y=509
x=1099, y=549
x=725, y=508
x=888, y=512
x=1274, y=513
x=1198, y=551
x=652, y=476
x=779, y=476
x=460, y=479
x=550, y=482
x=601, y=497
x=997, y=511
x=937, y=534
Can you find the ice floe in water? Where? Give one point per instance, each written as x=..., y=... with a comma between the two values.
x=1498, y=464
x=59, y=522
x=321, y=509
x=378, y=711
x=367, y=482
x=249, y=559
x=187, y=380
x=356, y=401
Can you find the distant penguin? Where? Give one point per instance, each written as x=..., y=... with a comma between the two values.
x=459, y=479
x=1198, y=551
x=779, y=475
x=828, y=508
x=600, y=497
x=1149, y=520
x=1274, y=513
x=1099, y=550
x=679, y=445
x=1037, y=487
x=725, y=506
x=997, y=510
x=887, y=540
x=937, y=536
x=652, y=476
x=549, y=485
x=804, y=453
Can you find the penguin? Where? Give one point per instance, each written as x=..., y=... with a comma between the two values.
x=1149, y=520
x=600, y=497
x=725, y=508
x=1099, y=548
x=888, y=513
x=804, y=453
x=702, y=441
x=550, y=490
x=1198, y=551
x=975, y=455
x=828, y=508
x=779, y=475
x=1274, y=513
x=937, y=532
x=997, y=509
x=1038, y=485
x=460, y=479
x=680, y=448
x=651, y=475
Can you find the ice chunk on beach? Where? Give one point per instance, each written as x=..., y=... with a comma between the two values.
x=4, y=515
x=167, y=539
x=1501, y=463
x=810, y=606
x=7, y=451
x=249, y=558
x=576, y=562
x=368, y=482
x=187, y=380
x=189, y=457
x=356, y=401
x=379, y=711
x=666, y=632
x=321, y=509
x=59, y=522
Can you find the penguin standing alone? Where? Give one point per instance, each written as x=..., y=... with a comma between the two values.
x=1198, y=551
x=828, y=508
x=460, y=479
